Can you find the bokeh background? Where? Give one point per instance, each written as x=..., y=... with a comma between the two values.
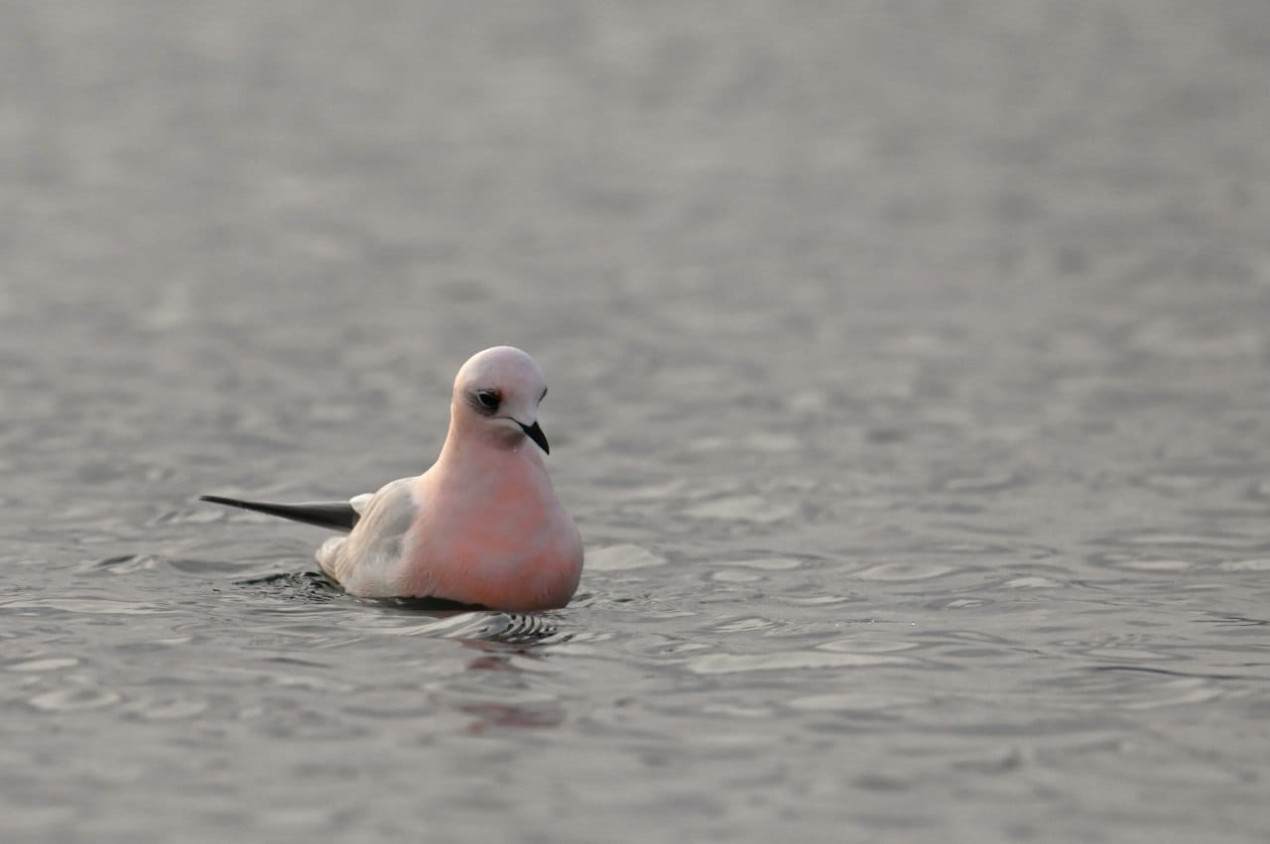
x=910, y=380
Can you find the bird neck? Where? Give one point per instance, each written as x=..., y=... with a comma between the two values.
x=472, y=437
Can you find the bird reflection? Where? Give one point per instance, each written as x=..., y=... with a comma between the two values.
x=498, y=663
x=492, y=715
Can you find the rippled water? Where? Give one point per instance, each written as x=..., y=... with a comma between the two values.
x=910, y=384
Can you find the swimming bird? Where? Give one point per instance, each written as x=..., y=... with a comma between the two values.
x=482, y=527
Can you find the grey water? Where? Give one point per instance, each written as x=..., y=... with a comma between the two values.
x=910, y=384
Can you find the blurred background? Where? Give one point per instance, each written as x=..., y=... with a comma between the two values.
x=909, y=383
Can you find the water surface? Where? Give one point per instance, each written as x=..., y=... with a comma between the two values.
x=909, y=383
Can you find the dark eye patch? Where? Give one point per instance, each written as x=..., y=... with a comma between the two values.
x=487, y=401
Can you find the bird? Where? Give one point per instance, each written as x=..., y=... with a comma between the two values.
x=481, y=528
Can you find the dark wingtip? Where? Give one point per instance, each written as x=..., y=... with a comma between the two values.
x=338, y=515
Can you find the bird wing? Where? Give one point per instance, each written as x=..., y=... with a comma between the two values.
x=366, y=561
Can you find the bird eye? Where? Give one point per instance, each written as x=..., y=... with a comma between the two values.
x=488, y=400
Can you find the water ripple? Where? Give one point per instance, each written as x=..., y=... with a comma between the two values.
x=623, y=558
x=905, y=572
x=793, y=660
x=87, y=606
x=74, y=699
x=41, y=665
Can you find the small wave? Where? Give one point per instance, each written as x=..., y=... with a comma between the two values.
x=300, y=585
